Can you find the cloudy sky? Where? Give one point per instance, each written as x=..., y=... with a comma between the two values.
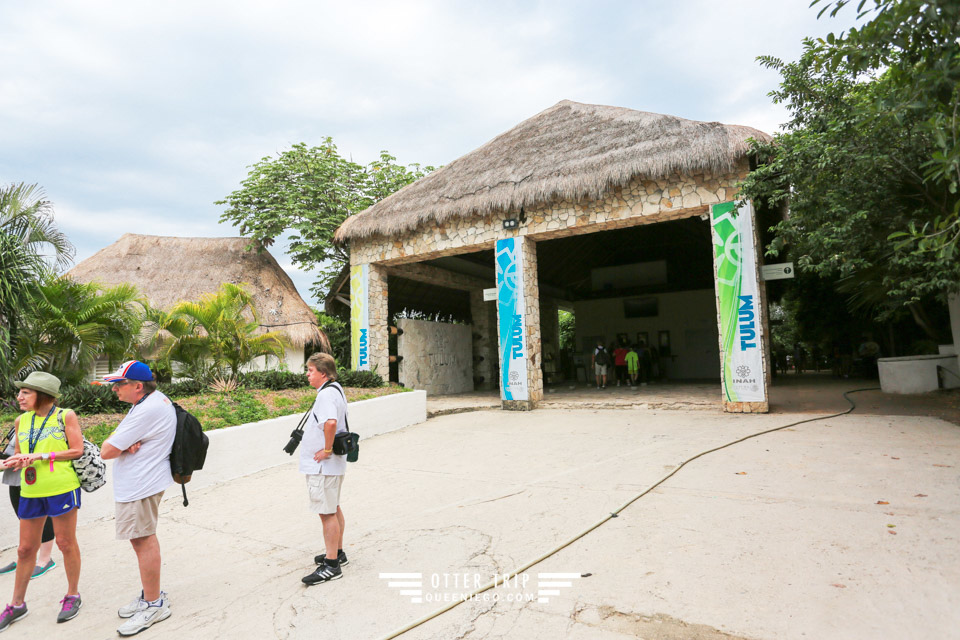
x=137, y=116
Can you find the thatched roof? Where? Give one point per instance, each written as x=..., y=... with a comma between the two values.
x=569, y=151
x=169, y=270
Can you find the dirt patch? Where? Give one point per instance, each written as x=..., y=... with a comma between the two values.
x=822, y=393
x=653, y=627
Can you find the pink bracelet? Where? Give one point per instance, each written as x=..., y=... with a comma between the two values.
x=53, y=456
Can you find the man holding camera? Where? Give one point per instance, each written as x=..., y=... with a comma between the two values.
x=324, y=469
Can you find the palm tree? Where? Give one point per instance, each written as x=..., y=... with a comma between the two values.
x=31, y=246
x=221, y=328
x=74, y=323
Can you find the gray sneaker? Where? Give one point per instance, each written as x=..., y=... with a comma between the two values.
x=127, y=610
x=145, y=617
x=11, y=614
x=40, y=570
x=69, y=608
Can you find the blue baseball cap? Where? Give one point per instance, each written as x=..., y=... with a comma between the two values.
x=131, y=370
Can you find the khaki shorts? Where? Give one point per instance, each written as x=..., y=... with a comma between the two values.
x=324, y=493
x=600, y=369
x=138, y=519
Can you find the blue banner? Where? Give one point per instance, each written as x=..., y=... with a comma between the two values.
x=510, y=316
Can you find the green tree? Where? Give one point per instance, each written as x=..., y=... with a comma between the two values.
x=568, y=330
x=31, y=246
x=72, y=324
x=869, y=161
x=308, y=192
x=217, y=334
x=337, y=331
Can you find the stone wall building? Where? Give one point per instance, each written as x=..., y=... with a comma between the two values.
x=581, y=206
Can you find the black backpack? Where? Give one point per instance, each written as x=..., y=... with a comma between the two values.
x=189, y=449
x=603, y=358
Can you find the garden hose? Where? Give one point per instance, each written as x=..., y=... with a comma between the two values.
x=613, y=514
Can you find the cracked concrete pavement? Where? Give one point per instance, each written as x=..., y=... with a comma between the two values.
x=844, y=528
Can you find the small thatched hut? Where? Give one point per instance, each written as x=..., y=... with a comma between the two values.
x=169, y=270
x=628, y=218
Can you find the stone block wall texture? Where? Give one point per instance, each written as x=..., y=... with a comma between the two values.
x=639, y=202
x=379, y=335
x=485, y=356
x=531, y=296
x=437, y=356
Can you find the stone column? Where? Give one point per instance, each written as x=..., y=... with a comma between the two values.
x=369, y=331
x=518, y=324
x=379, y=322
x=484, y=322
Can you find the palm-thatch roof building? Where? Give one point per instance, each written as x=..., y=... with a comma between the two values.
x=169, y=270
x=602, y=210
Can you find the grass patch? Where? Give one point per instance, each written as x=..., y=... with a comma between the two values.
x=221, y=410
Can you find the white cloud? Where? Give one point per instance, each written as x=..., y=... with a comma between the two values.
x=137, y=116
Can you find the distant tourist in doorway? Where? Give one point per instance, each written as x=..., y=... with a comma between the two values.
x=798, y=357
x=600, y=360
x=620, y=363
x=633, y=365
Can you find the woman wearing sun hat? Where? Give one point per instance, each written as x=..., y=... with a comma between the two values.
x=48, y=438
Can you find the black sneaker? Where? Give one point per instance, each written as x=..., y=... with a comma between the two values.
x=341, y=558
x=324, y=573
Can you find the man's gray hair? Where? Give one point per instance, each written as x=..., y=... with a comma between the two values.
x=324, y=363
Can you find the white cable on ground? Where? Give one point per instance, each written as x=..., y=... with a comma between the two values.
x=614, y=514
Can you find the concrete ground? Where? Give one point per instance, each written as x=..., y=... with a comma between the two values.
x=844, y=528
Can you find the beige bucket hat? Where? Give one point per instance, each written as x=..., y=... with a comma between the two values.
x=41, y=381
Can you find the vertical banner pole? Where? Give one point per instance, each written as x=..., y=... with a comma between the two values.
x=511, y=309
x=360, y=317
x=738, y=304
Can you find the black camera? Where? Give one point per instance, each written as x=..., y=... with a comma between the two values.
x=294, y=442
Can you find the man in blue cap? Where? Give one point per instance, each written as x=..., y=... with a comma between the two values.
x=141, y=448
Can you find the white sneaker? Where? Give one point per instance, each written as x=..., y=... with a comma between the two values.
x=127, y=610
x=145, y=616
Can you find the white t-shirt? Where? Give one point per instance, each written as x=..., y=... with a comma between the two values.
x=329, y=405
x=140, y=475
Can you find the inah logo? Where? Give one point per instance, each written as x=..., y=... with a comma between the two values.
x=748, y=331
x=743, y=371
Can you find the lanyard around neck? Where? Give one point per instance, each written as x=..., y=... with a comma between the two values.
x=139, y=401
x=31, y=441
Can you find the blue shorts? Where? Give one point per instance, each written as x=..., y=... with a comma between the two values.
x=52, y=506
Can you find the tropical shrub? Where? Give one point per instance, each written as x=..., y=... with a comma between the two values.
x=91, y=398
x=273, y=380
x=362, y=379
x=221, y=331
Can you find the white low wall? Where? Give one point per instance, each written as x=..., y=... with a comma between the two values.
x=916, y=374
x=248, y=448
